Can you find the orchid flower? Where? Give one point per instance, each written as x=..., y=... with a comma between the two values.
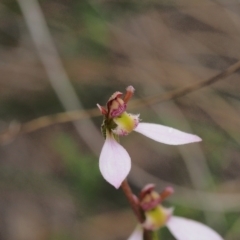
x=183, y=229
x=156, y=217
x=115, y=163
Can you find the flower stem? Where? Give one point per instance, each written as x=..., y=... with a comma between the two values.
x=155, y=235
x=147, y=235
x=129, y=195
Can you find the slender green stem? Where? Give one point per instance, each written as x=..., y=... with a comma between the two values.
x=155, y=235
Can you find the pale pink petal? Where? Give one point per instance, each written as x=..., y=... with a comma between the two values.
x=186, y=229
x=137, y=234
x=114, y=162
x=165, y=134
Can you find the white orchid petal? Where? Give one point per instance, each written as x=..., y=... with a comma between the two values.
x=137, y=234
x=186, y=229
x=114, y=162
x=165, y=134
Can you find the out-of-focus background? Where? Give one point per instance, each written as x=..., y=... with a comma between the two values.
x=63, y=55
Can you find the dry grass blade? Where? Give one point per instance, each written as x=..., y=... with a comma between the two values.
x=57, y=75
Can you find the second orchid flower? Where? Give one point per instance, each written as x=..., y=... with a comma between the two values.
x=157, y=217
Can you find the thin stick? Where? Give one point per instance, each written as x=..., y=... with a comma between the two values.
x=187, y=89
x=46, y=121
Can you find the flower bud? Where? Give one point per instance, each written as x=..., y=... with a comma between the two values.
x=149, y=199
x=156, y=215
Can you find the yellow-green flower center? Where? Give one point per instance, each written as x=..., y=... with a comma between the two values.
x=156, y=218
x=125, y=123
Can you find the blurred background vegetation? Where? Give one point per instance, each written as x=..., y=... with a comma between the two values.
x=62, y=55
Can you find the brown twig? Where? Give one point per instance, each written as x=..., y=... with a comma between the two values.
x=187, y=89
x=46, y=121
